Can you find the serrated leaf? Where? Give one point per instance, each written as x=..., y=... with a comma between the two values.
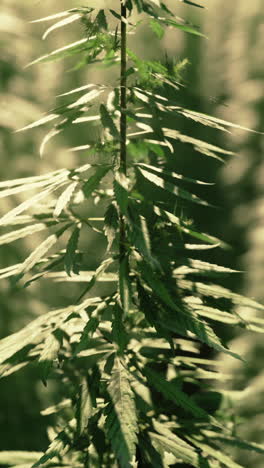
x=64, y=199
x=111, y=224
x=219, y=292
x=161, y=183
x=84, y=407
x=60, y=24
x=39, y=252
x=121, y=419
x=215, y=453
x=58, y=447
x=9, y=217
x=94, y=181
x=181, y=453
x=20, y=188
x=70, y=255
x=108, y=122
x=21, y=233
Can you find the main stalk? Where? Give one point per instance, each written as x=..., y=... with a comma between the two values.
x=123, y=118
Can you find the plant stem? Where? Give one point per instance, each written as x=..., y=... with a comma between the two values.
x=123, y=88
x=123, y=119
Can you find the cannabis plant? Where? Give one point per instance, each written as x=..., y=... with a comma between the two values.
x=134, y=359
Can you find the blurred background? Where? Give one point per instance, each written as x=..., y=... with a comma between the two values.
x=224, y=77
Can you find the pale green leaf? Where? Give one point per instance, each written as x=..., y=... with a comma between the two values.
x=48, y=355
x=84, y=407
x=9, y=217
x=60, y=24
x=20, y=233
x=65, y=51
x=171, y=175
x=12, y=457
x=179, y=192
x=64, y=199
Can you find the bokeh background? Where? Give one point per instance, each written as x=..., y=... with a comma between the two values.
x=224, y=78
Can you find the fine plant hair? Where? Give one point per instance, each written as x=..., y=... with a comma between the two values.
x=137, y=361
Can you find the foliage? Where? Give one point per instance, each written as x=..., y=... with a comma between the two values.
x=138, y=389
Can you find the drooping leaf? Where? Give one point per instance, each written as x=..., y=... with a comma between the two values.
x=61, y=23
x=39, y=252
x=58, y=447
x=64, y=199
x=84, y=407
x=94, y=181
x=121, y=418
x=48, y=355
x=111, y=223
x=124, y=285
x=70, y=255
x=108, y=122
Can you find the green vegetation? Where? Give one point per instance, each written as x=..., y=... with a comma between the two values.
x=134, y=352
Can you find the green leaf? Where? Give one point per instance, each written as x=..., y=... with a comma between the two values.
x=161, y=183
x=39, y=253
x=157, y=28
x=121, y=419
x=121, y=184
x=166, y=175
x=172, y=392
x=94, y=181
x=84, y=407
x=215, y=453
x=58, y=447
x=111, y=224
x=70, y=255
x=120, y=335
x=108, y=122
x=184, y=27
